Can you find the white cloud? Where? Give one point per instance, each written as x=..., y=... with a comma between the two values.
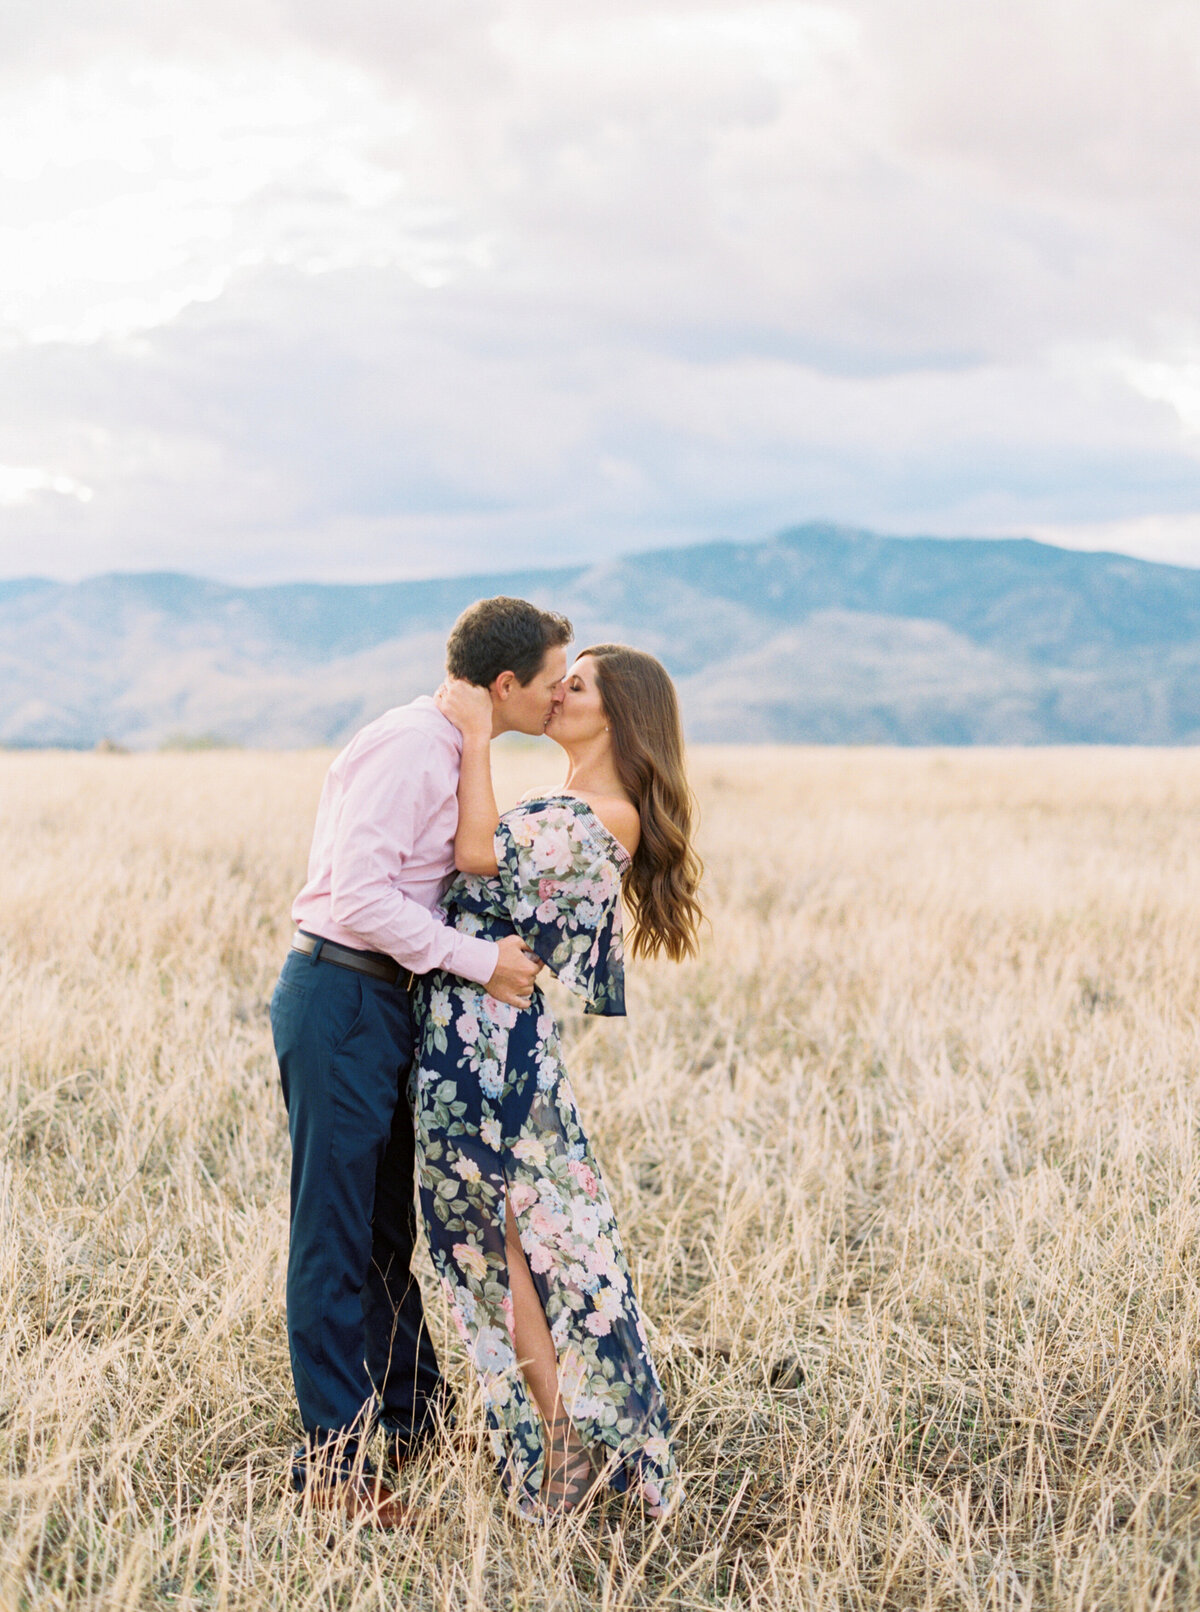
x=21, y=484
x=1175, y=382
x=389, y=287
x=138, y=188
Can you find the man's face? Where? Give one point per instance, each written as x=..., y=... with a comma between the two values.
x=527, y=709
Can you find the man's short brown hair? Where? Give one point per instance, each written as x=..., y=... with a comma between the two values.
x=503, y=635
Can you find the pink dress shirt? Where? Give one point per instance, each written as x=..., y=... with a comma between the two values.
x=383, y=847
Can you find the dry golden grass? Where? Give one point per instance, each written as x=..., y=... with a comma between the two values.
x=922, y=1118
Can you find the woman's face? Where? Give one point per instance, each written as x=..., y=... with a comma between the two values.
x=580, y=715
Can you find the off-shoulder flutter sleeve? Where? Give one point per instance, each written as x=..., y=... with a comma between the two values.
x=559, y=872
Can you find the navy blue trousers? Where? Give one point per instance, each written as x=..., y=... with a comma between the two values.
x=356, y=1333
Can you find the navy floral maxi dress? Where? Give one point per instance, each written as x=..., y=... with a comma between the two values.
x=495, y=1117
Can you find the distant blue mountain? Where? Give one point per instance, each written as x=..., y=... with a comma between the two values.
x=819, y=634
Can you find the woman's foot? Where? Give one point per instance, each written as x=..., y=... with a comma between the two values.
x=568, y=1476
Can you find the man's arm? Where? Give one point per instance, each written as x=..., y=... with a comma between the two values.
x=376, y=831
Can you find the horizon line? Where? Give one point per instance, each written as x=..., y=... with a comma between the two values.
x=30, y=579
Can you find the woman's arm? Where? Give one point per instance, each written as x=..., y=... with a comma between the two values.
x=470, y=709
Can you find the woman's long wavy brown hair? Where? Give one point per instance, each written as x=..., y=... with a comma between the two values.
x=647, y=741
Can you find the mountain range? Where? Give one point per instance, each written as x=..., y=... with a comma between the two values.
x=818, y=634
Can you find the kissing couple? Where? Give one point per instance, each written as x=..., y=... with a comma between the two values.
x=416, y=1049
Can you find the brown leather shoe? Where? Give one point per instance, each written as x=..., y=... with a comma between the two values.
x=363, y=1501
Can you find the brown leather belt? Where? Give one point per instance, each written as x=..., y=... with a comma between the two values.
x=376, y=964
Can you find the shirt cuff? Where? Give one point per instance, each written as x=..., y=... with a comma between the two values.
x=473, y=958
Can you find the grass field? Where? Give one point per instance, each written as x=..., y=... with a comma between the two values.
x=922, y=1119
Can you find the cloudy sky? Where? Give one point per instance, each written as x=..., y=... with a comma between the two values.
x=377, y=288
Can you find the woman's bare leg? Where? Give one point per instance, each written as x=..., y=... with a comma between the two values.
x=535, y=1346
x=566, y=1465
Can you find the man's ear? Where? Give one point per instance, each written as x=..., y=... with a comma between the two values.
x=502, y=685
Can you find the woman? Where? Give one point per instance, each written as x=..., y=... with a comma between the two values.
x=520, y=1227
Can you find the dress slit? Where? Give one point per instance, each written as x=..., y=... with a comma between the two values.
x=542, y=1293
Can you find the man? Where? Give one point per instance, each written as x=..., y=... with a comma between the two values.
x=382, y=855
